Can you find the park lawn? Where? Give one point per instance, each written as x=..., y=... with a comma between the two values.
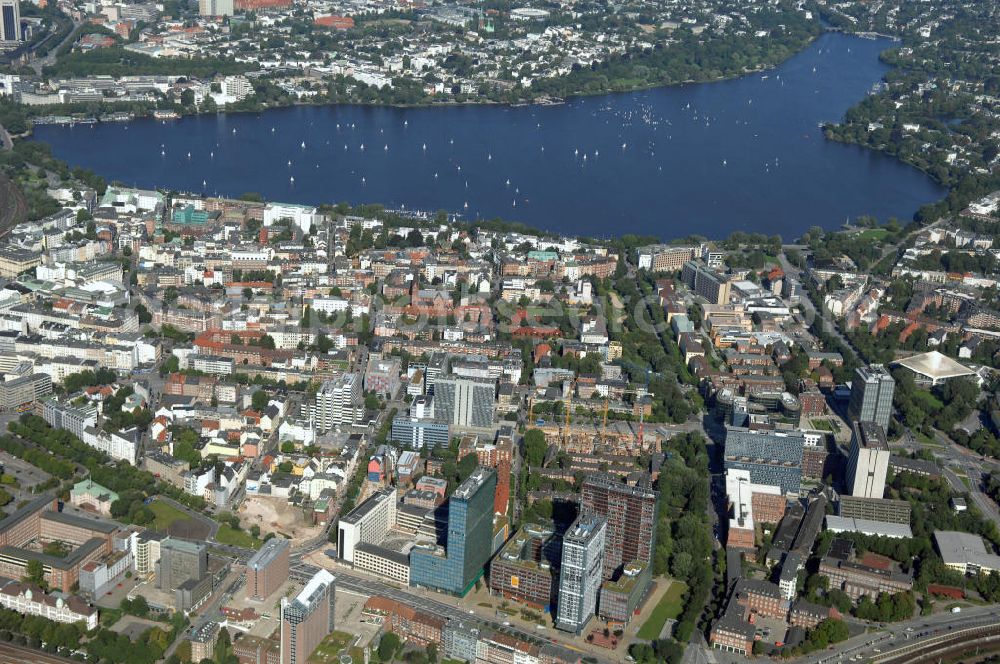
x=873, y=234
x=228, y=535
x=926, y=440
x=166, y=514
x=668, y=608
x=329, y=648
x=927, y=401
x=109, y=617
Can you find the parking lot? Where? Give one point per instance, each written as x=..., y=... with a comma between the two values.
x=26, y=475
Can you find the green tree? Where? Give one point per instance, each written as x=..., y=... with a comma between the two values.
x=259, y=400
x=388, y=646
x=34, y=572
x=534, y=447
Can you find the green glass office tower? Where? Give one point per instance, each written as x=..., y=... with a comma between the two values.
x=456, y=566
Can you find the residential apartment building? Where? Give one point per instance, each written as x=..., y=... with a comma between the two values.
x=630, y=512
x=338, y=401
x=411, y=625
x=63, y=415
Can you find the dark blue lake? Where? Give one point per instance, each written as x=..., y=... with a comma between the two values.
x=744, y=154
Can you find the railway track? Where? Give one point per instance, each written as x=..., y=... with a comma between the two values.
x=938, y=647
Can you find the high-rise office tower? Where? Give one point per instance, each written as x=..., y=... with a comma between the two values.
x=871, y=395
x=869, y=460
x=10, y=22
x=181, y=561
x=455, y=567
x=267, y=569
x=307, y=619
x=630, y=511
x=580, y=572
x=465, y=402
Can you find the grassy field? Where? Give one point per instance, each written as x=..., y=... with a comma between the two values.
x=165, y=515
x=227, y=535
x=669, y=607
x=329, y=648
x=109, y=617
x=961, y=474
x=926, y=440
x=873, y=234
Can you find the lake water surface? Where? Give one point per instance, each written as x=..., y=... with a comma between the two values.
x=745, y=154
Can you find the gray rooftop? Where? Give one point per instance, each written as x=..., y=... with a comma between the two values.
x=271, y=549
x=965, y=549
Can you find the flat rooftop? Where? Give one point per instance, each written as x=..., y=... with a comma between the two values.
x=365, y=508
x=271, y=549
x=965, y=549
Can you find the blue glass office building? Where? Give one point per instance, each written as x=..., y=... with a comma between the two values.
x=455, y=567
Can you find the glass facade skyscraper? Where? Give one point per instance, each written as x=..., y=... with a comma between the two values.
x=581, y=572
x=455, y=567
x=10, y=21
x=871, y=396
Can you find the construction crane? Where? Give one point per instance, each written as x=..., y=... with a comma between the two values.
x=637, y=392
x=567, y=404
